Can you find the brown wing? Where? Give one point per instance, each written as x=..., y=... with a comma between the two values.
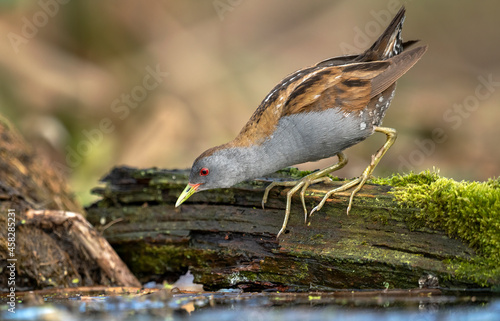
x=399, y=65
x=266, y=116
x=345, y=87
x=337, y=61
x=349, y=87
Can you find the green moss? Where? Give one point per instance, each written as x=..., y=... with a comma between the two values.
x=424, y=178
x=466, y=210
x=317, y=237
x=293, y=172
x=144, y=258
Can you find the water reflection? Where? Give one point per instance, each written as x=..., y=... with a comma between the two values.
x=236, y=305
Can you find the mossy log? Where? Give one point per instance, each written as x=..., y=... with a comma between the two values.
x=226, y=239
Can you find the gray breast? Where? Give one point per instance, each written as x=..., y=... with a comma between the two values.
x=312, y=136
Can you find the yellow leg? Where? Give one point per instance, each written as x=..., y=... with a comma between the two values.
x=360, y=181
x=303, y=184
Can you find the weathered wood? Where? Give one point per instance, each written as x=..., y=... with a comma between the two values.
x=83, y=238
x=226, y=239
x=49, y=248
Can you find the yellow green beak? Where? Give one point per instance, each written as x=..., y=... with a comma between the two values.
x=186, y=193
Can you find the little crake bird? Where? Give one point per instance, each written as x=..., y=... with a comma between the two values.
x=314, y=113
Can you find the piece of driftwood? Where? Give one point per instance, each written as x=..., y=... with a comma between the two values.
x=84, y=239
x=41, y=244
x=226, y=239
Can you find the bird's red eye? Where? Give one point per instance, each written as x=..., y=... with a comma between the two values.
x=204, y=171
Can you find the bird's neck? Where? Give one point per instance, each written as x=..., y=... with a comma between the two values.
x=252, y=161
x=258, y=160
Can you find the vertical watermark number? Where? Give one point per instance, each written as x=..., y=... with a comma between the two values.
x=11, y=266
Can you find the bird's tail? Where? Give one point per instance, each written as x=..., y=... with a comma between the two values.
x=390, y=43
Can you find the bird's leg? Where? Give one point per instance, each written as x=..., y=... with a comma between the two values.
x=360, y=181
x=303, y=184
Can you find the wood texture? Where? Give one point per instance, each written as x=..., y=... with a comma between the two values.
x=53, y=246
x=84, y=238
x=227, y=240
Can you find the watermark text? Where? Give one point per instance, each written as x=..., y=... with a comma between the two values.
x=454, y=116
x=11, y=266
x=31, y=26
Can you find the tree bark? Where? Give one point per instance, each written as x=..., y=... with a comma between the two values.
x=84, y=238
x=226, y=239
x=48, y=243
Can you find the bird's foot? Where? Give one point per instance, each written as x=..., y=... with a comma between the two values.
x=302, y=184
x=360, y=181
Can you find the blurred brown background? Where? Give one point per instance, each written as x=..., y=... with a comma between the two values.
x=94, y=84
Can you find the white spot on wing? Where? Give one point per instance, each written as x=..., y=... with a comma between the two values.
x=362, y=126
x=310, y=75
x=269, y=96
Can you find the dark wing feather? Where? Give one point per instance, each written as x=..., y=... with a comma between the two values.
x=337, y=61
x=346, y=87
x=398, y=66
x=349, y=87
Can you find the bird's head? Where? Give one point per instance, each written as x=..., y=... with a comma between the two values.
x=218, y=167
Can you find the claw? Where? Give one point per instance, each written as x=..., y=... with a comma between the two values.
x=266, y=194
x=302, y=195
x=303, y=184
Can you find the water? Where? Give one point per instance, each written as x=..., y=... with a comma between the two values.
x=235, y=305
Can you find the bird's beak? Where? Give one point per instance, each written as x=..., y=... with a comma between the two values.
x=186, y=193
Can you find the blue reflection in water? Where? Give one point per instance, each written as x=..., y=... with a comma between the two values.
x=260, y=306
